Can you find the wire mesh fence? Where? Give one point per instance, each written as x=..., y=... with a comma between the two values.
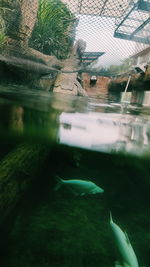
x=41, y=28
x=100, y=22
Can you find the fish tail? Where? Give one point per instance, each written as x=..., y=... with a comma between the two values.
x=59, y=183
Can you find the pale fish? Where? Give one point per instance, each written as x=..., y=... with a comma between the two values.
x=79, y=187
x=128, y=255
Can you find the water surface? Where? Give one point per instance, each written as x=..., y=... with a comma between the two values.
x=87, y=138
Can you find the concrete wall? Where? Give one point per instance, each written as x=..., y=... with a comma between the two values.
x=99, y=88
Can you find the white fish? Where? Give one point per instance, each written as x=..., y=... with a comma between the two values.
x=79, y=187
x=119, y=264
x=124, y=246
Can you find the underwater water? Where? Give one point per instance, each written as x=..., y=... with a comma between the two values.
x=91, y=139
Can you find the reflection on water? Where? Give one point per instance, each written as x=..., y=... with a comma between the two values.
x=55, y=228
x=96, y=124
x=108, y=132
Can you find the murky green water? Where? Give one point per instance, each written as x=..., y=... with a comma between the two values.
x=92, y=139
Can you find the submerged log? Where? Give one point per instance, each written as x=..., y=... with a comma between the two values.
x=17, y=171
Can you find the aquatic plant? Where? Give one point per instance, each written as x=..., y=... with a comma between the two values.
x=2, y=33
x=52, y=33
x=2, y=40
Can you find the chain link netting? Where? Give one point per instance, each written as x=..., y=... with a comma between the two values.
x=119, y=28
x=101, y=21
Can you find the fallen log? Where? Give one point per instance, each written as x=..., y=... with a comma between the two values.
x=17, y=170
x=26, y=64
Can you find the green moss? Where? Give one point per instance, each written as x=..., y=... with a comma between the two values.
x=137, y=84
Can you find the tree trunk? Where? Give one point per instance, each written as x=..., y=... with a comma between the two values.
x=19, y=17
x=66, y=81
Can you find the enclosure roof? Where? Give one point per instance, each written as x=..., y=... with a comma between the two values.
x=134, y=25
x=98, y=7
x=114, y=26
x=88, y=57
x=92, y=55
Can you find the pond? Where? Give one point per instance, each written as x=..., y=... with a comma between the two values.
x=90, y=139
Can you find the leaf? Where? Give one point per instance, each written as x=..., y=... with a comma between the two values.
x=51, y=29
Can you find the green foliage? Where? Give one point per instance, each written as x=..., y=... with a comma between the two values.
x=120, y=68
x=2, y=40
x=115, y=69
x=51, y=34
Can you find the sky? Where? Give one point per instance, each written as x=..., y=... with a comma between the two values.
x=98, y=29
x=98, y=34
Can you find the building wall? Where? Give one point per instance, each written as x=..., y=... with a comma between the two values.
x=141, y=57
x=99, y=88
x=144, y=58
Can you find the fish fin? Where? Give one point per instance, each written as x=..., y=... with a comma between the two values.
x=118, y=264
x=127, y=238
x=76, y=193
x=111, y=220
x=73, y=192
x=121, y=264
x=125, y=264
x=59, y=183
